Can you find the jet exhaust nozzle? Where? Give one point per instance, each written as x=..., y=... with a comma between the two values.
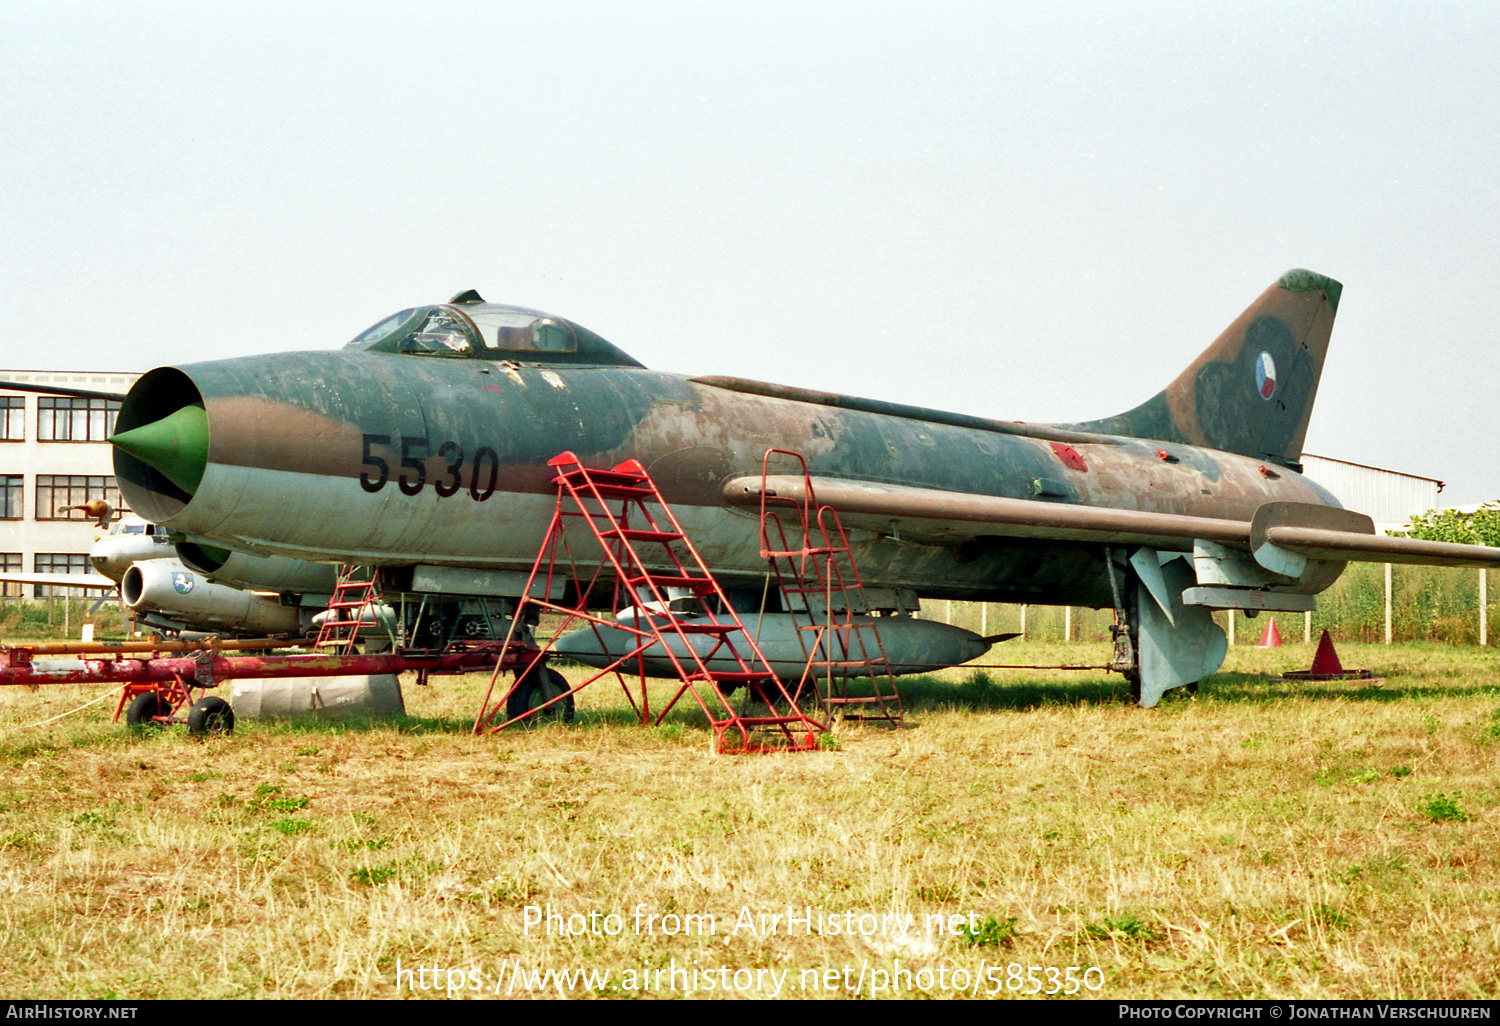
x=166, y=587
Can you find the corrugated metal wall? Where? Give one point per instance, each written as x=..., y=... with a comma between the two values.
x=1390, y=498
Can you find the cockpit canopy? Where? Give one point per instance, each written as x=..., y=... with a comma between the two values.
x=466, y=327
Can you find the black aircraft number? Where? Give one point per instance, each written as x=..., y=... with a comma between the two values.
x=411, y=477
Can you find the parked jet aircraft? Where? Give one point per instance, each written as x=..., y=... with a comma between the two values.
x=177, y=588
x=422, y=447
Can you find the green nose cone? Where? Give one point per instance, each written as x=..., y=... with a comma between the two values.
x=176, y=446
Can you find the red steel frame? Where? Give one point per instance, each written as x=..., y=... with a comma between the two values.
x=175, y=679
x=354, y=595
x=618, y=513
x=821, y=564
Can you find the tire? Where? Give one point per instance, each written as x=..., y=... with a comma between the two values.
x=145, y=706
x=210, y=716
x=539, y=685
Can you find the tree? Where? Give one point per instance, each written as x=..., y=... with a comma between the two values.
x=1482, y=527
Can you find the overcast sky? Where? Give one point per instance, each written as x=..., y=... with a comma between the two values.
x=1034, y=211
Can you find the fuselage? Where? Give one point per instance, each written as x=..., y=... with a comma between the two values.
x=393, y=459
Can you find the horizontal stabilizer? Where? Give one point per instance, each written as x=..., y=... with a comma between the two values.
x=1294, y=531
x=1342, y=546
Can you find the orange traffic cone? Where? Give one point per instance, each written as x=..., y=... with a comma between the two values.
x=1326, y=666
x=1272, y=637
x=1326, y=660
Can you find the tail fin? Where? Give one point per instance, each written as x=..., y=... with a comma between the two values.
x=1252, y=391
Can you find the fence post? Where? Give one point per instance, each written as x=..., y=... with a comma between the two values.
x=1484, y=608
x=1388, y=603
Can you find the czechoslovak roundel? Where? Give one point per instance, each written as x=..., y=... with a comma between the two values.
x=1265, y=376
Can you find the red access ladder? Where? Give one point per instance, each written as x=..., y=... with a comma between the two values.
x=633, y=543
x=822, y=590
x=355, y=595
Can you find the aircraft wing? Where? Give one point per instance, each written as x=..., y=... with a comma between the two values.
x=938, y=517
x=60, y=580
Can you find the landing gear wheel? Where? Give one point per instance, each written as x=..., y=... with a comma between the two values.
x=540, y=685
x=143, y=708
x=210, y=716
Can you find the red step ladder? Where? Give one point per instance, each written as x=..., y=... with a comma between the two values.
x=625, y=534
x=354, y=596
x=821, y=588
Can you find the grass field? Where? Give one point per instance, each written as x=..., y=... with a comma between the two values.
x=1264, y=839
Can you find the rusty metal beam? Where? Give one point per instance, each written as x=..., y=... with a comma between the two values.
x=201, y=645
x=207, y=669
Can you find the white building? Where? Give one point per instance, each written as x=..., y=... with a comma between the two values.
x=1390, y=498
x=52, y=456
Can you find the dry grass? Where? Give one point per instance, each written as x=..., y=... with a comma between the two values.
x=1329, y=840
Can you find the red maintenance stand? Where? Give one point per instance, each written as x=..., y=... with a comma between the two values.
x=613, y=537
x=813, y=565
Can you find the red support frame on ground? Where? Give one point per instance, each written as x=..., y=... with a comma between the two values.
x=612, y=529
x=814, y=566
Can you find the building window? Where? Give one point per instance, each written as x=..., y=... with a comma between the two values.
x=10, y=497
x=56, y=493
x=60, y=419
x=12, y=418
x=10, y=563
x=60, y=563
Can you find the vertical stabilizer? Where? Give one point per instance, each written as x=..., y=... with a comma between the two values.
x=1252, y=391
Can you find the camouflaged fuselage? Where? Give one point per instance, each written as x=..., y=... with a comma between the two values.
x=388, y=459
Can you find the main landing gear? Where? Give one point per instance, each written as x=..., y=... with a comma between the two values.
x=1160, y=643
